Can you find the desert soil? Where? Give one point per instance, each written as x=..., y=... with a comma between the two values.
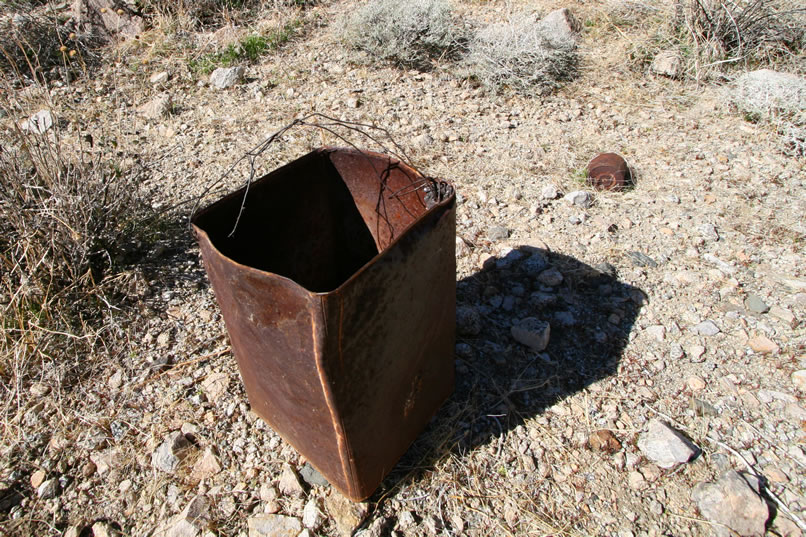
x=680, y=300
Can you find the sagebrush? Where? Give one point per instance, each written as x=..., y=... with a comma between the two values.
x=408, y=34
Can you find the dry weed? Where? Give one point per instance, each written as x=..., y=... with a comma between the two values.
x=520, y=54
x=410, y=34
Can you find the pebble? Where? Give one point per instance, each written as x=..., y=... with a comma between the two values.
x=37, y=478
x=695, y=383
x=695, y=353
x=497, y=233
x=580, y=198
x=706, y=328
x=784, y=315
x=550, y=192
x=289, y=483
x=636, y=480
x=532, y=332
x=38, y=123
x=170, y=453
x=551, y=277
x=468, y=321
x=311, y=475
x=799, y=379
x=48, y=489
x=159, y=78
x=104, y=529
x=762, y=345
x=605, y=441
x=226, y=77
x=215, y=386
x=733, y=501
x=353, y=102
x=207, y=466
x=158, y=107
x=666, y=446
x=656, y=332
x=755, y=304
x=274, y=526
x=347, y=515
x=311, y=515
x=709, y=232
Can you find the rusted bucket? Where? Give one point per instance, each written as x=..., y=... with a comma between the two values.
x=337, y=287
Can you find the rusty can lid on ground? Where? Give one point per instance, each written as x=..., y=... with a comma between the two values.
x=609, y=171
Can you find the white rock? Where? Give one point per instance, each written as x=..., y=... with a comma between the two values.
x=550, y=192
x=158, y=107
x=559, y=28
x=706, y=328
x=193, y=519
x=551, y=277
x=289, y=482
x=311, y=515
x=159, y=78
x=48, y=489
x=215, y=386
x=274, y=526
x=533, y=333
x=667, y=63
x=171, y=452
x=733, y=501
x=799, y=379
x=665, y=446
x=580, y=198
x=38, y=123
x=656, y=332
x=207, y=466
x=226, y=77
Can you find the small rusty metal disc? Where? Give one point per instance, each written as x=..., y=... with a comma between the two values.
x=609, y=171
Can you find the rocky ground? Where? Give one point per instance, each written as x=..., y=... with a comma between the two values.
x=668, y=401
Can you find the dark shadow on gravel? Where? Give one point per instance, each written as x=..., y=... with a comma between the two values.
x=500, y=383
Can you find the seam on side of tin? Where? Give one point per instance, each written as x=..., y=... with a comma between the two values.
x=338, y=426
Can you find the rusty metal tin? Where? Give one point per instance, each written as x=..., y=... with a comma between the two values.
x=338, y=292
x=609, y=171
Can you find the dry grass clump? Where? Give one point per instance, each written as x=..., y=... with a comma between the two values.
x=216, y=12
x=521, y=54
x=714, y=37
x=745, y=31
x=409, y=34
x=34, y=42
x=68, y=221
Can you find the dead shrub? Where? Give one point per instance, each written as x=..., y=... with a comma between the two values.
x=36, y=44
x=744, y=31
x=408, y=34
x=522, y=55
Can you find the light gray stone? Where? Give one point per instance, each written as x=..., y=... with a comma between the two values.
x=38, y=123
x=311, y=515
x=551, y=277
x=158, y=107
x=706, y=328
x=667, y=62
x=550, y=192
x=159, y=78
x=497, y=233
x=289, y=482
x=468, y=321
x=708, y=232
x=170, y=453
x=755, y=304
x=733, y=501
x=48, y=489
x=559, y=28
x=533, y=333
x=580, y=198
x=226, y=77
x=666, y=446
x=274, y=526
x=799, y=379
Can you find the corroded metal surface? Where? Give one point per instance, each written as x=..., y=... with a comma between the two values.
x=337, y=288
x=609, y=171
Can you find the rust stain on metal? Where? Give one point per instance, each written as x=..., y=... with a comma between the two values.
x=338, y=292
x=609, y=171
